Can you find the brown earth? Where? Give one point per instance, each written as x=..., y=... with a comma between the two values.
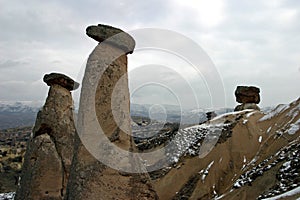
x=244, y=153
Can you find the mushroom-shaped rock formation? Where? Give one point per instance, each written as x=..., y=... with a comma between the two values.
x=114, y=36
x=50, y=150
x=104, y=150
x=248, y=96
x=62, y=80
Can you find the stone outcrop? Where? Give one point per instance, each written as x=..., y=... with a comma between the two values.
x=103, y=159
x=210, y=115
x=245, y=106
x=248, y=96
x=256, y=157
x=50, y=150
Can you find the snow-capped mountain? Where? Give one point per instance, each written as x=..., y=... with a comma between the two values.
x=18, y=114
x=23, y=113
x=20, y=106
x=173, y=113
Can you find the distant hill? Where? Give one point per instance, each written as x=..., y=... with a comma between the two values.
x=173, y=113
x=18, y=114
x=23, y=113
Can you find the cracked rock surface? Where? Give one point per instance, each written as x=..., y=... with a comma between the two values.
x=109, y=98
x=50, y=149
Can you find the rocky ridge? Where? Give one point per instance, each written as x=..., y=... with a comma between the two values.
x=255, y=156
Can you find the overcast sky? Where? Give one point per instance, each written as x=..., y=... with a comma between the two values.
x=250, y=43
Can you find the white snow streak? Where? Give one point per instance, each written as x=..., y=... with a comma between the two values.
x=294, y=127
x=278, y=109
x=287, y=194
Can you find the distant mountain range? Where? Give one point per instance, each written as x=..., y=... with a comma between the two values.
x=21, y=114
x=18, y=114
x=19, y=107
x=173, y=113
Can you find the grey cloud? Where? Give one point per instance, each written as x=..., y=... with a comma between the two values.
x=250, y=46
x=11, y=63
x=23, y=91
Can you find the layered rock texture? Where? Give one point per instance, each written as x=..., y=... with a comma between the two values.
x=239, y=155
x=50, y=150
x=98, y=170
x=248, y=96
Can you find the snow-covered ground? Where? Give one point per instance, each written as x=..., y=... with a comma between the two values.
x=275, y=112
x=287, y=194
x=22, y=106
x=7, y=196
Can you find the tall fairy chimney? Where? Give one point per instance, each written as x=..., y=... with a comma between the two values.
x=104, y=165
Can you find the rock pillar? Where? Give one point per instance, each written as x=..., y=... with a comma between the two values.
x=49, y=152
x=104, y=165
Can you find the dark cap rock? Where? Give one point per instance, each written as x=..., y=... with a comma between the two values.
x=113, y=36
x=247, y=94
x=62, y=80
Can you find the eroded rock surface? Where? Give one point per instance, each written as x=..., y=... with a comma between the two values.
x=104, y=102
x=247, y=94
x=62, y=80
x=254, y=156
x=112, y=36
x=245, y=106
x=50, y=150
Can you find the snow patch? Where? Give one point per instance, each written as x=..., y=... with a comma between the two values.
x=221, y=159
x=244, y=162
x=205, y=173
x=231, y=113
x=294, y=112
x=251, y=113
x=196, y=140
x=287, y=166
x=287, y=194
x=294, y=128
x=7, y=196
x=219, y=197
x=214, y=190
x=260, y=139
x=273, y=113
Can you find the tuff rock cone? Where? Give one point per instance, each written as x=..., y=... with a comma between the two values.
x=49, y=154
x=104, y=166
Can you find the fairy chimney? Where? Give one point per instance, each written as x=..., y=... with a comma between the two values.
x=104, y=166
x=49, y=153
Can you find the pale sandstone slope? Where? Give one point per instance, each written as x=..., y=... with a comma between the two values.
x=249, y=159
